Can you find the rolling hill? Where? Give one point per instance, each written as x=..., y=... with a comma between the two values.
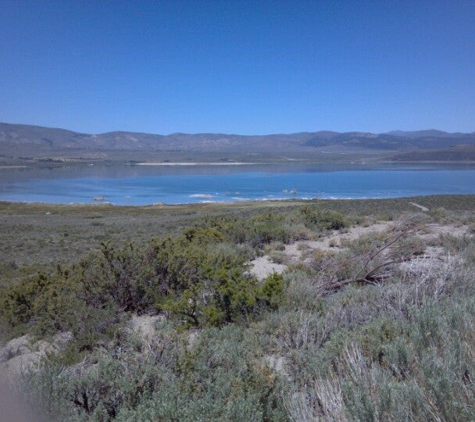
x=28, y=141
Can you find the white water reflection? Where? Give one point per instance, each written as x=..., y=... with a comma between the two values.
x=143, y=185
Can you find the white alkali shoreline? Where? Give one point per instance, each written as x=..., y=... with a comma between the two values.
x=195, y=164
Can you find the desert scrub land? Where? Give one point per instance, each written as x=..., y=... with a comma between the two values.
x=279, y=311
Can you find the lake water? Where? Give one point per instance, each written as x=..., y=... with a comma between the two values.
x=144, y=185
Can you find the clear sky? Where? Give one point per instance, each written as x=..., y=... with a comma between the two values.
x=241, y=66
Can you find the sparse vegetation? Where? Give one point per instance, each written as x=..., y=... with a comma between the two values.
x=379, y=328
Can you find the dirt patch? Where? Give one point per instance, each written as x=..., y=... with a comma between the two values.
x=435, y=230
x=421, y=207
x=263, y=267
x=144, y=325
x=299, y=251
x=334, y=240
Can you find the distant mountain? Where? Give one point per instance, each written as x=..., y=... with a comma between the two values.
x=362, y=141
x=396, y=140
x=29, y=140
x=434, y=133
x=435, y=139
x=51, y=138
x=456, y=154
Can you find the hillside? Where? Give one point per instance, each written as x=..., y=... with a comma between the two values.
x=358, y=310
x=456, y=153
x=25, y=141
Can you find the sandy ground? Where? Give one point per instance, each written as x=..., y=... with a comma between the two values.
x=422, y=208
x=263, y=266
x=11, y=167
x=196, y=164
x=144, y=326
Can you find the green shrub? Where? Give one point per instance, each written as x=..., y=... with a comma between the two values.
x=44, y=304
x=317, y=218
x=221, y=377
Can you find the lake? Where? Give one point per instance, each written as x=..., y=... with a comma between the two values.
x=145, y=185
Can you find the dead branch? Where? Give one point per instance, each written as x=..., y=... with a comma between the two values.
x=372, y=276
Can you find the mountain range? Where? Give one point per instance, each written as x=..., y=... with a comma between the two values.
x=31, y=141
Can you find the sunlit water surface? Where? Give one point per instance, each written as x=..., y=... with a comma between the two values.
x=144, y=185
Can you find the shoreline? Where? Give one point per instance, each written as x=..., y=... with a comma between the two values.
x=237, y=163
x=7, y=167
x=205, y=200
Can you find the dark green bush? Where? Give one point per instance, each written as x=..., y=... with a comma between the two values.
x=195, y=276
x=316, y=218
x=45, y=304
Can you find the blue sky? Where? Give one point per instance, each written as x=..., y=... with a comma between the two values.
x=246, y=67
